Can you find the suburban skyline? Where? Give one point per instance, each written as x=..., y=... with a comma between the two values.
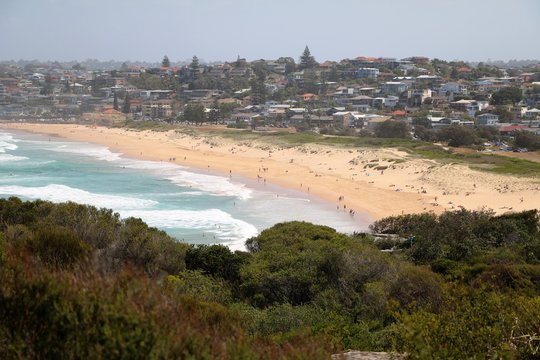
x=137, y=30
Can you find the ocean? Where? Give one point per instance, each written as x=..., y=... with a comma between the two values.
x=194, y=206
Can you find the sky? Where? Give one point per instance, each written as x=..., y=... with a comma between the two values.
x=221, y=30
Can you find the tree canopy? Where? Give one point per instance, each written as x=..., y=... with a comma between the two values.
x=507, y=95
x=80, y=282
x=165, y=62
x=194, y=112
x=307, y=61
x=393, y=129
x=126, y=107
x=194, y=68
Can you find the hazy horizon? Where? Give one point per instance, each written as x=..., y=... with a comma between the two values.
x=78, y=30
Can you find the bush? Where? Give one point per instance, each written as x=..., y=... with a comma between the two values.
x=393, y=129
x=472, y=326
x=457, y=136
x=57, y=246
x=526, y=139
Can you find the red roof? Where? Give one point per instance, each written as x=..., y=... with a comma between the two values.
x=111, y=111
x=511, y=128
x=399, y=113
x=366, y=58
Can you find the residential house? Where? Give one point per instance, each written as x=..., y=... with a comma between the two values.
x=4, y=95
x=532, y=114
x=296, y=77
x=371, y=121
x=471, y=107
x=450, y=89
x=344, y=118
x=386, y=102
x=367, y=91
x=240, y=72
x=418, y=96
x=318, y=120
x=487, y=119
x=161, y=109
x=155, y=94
x=509, y=129
x=334, y=110
x=367, y=73
x=432, y=81
x=276, y=67
x=518, y=111
x=343, y=91
x=394, y=87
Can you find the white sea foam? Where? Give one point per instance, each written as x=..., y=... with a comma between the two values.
x=218, y=185
x=213, y=184
x=7, y=137
x=149, y=165
x=62, y=193
x=10, y=158
x=97, y=152
x=4, y=145
x=179, y=175
x=7, y=142
x=211, y=221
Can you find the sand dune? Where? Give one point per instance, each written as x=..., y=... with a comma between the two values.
x=380, y=182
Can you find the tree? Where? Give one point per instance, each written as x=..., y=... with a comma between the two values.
x=311, y=81
x=115, y=102
x=194, y=112
x=454, y=74
x=393, y=129
x=422, y=121
x=165, y=62
x=526, y=139
x=48, y=87
x=126, y=108
x=507, y=95
x=258, y=87
x=487, y=132
x=214, y=114
x=194, y=68
x=67, y=87
x=307, y=61
x=334, y=75
x=457, y=136
x=258, y=91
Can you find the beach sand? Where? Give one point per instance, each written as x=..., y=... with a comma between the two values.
x=347, y=177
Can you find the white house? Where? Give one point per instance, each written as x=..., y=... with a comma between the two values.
x=487, y=119
x=367, y=73
x=532, y=114
x=394, y=87
x=452, y=88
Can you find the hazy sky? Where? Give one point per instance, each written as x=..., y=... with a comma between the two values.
x=222, y=29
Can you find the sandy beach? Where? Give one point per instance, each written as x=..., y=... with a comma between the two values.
x=380, y=182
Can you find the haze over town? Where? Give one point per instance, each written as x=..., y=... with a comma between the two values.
x=213, y=30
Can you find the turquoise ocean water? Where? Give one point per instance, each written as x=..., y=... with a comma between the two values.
x=191, y=205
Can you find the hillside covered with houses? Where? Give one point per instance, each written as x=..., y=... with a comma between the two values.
x=350, y=96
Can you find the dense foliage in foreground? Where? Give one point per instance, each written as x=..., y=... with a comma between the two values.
x=78, y=282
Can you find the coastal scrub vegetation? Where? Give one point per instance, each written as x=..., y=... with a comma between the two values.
x=80, y=282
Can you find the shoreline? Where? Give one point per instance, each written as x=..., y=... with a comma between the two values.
x=344, y=177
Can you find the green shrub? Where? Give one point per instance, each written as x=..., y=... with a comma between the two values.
x=57, y=246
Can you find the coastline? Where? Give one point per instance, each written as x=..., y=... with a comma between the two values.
x=406, y=185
